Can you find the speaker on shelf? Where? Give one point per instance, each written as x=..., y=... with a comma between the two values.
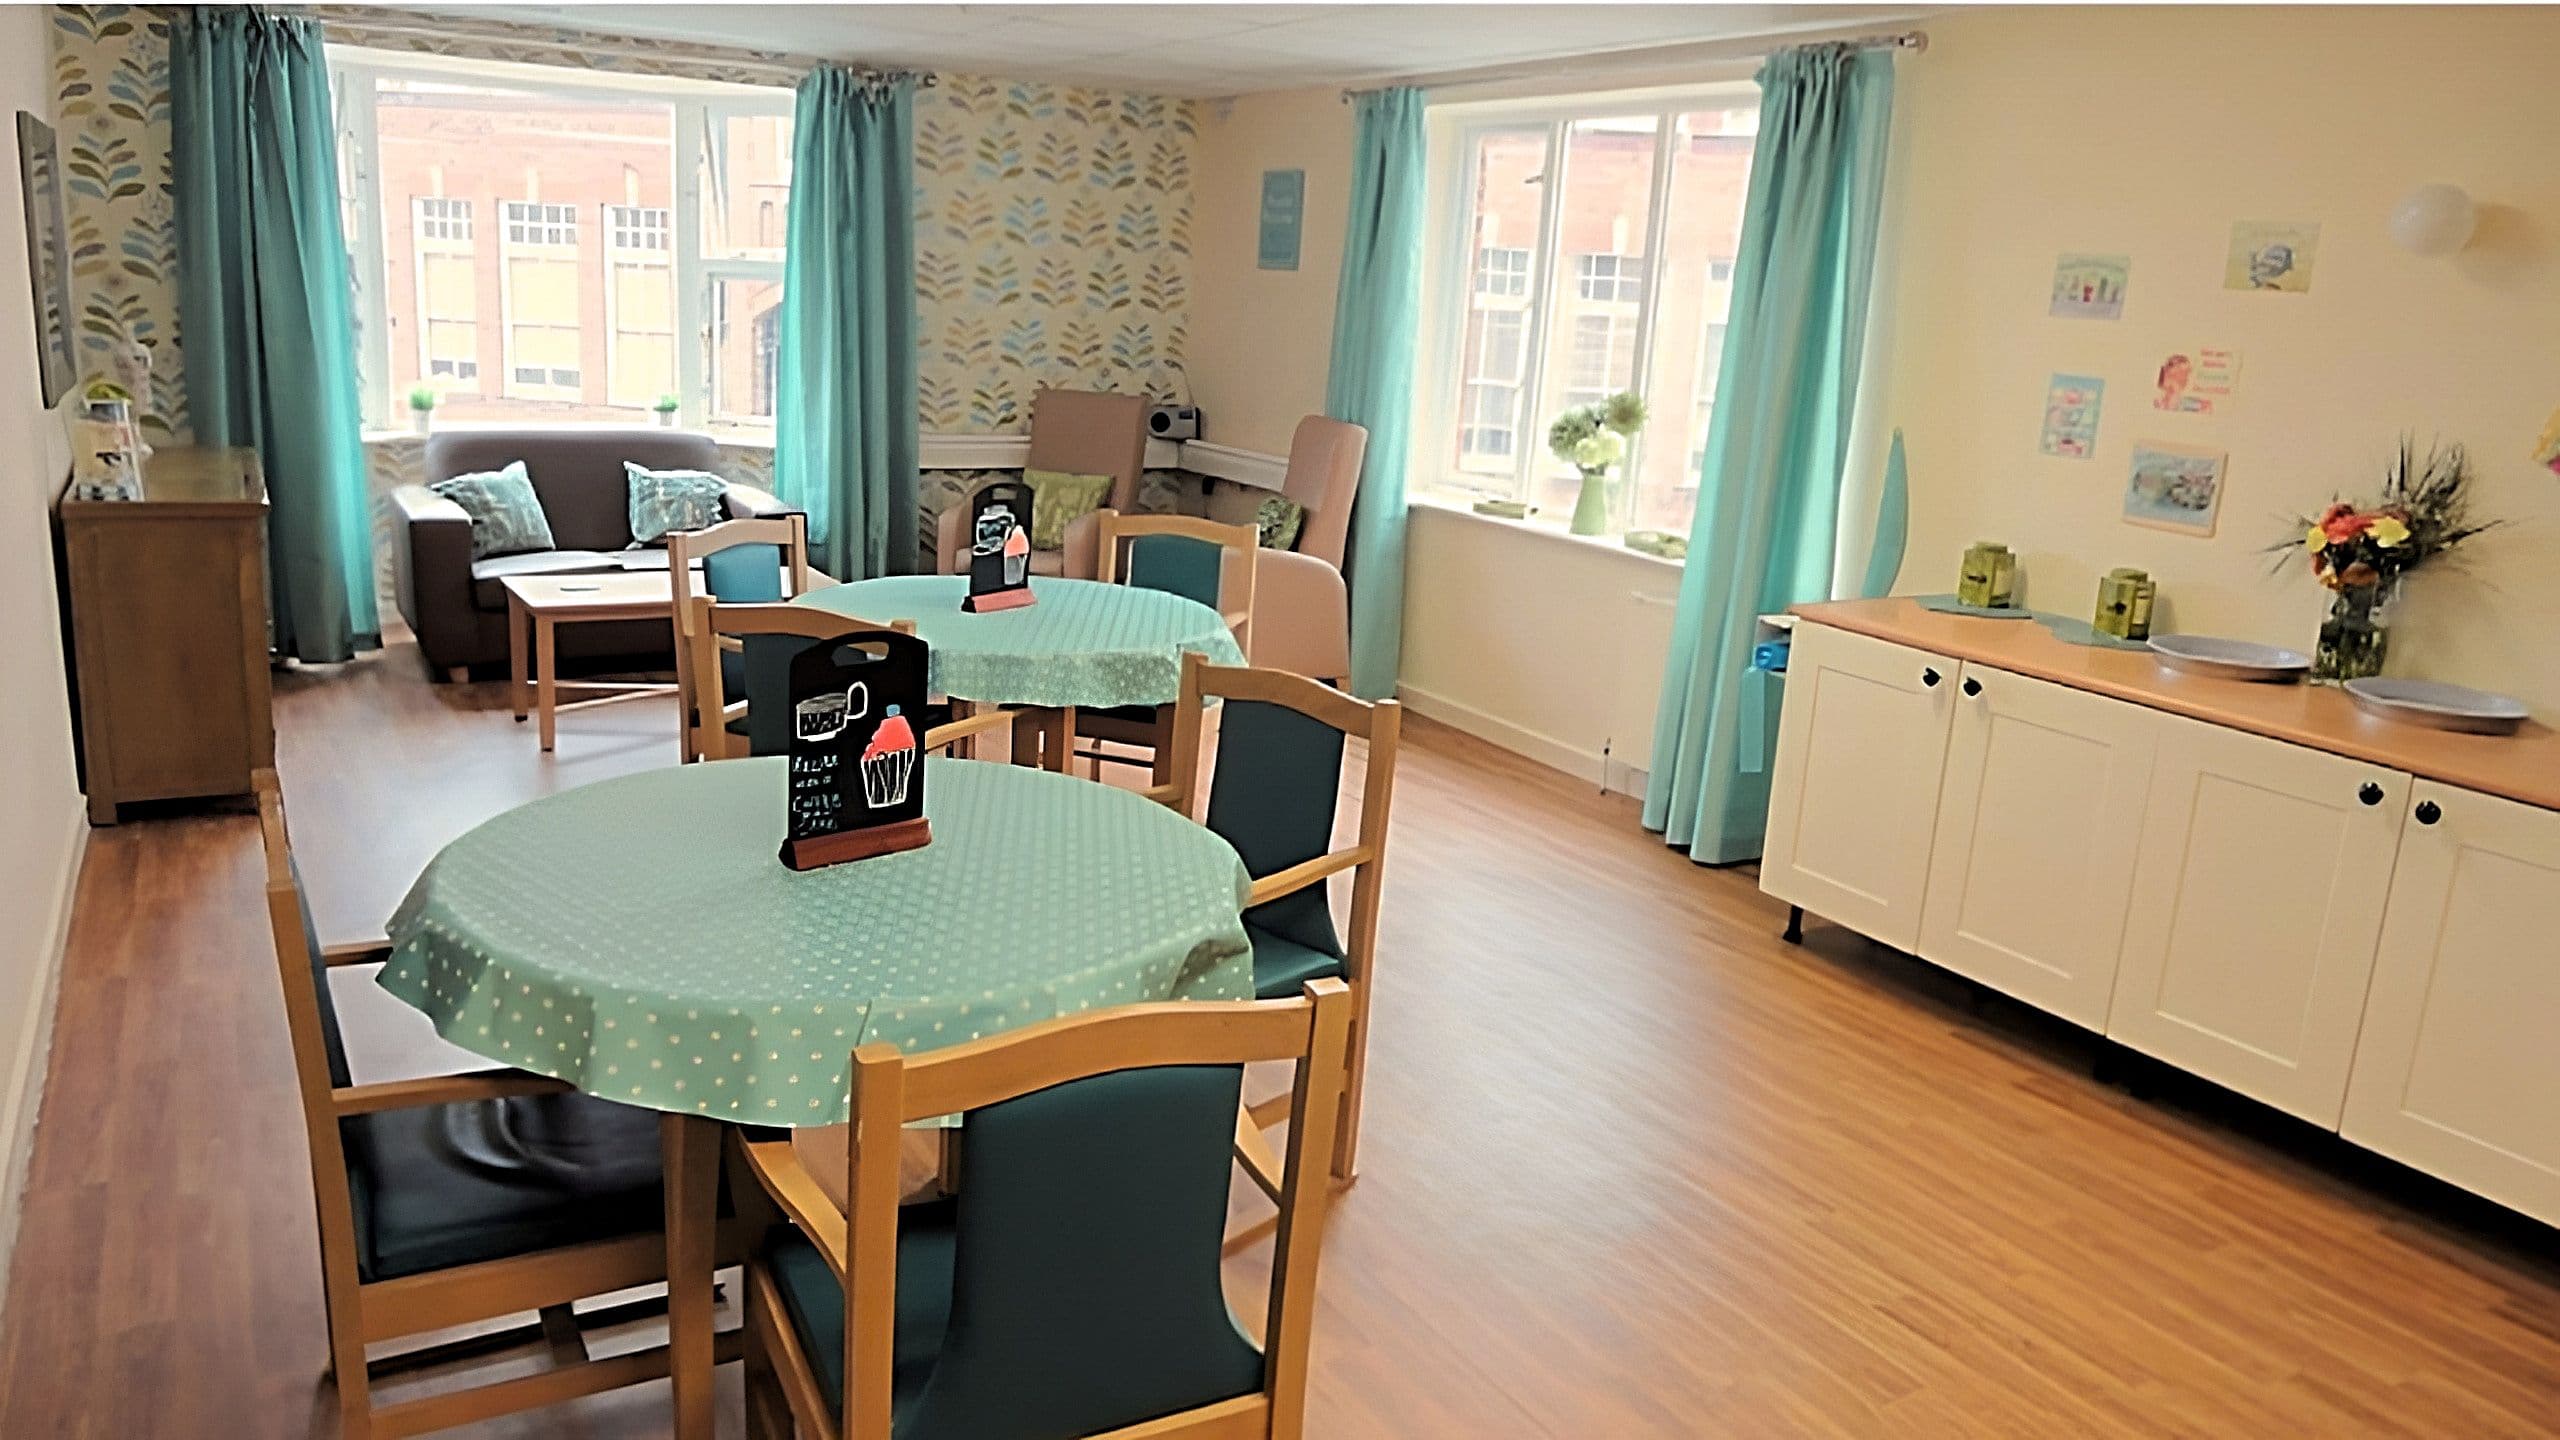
x=1174, y=422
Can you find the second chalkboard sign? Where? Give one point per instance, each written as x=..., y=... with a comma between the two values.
x=857, y=753
x=999, y=547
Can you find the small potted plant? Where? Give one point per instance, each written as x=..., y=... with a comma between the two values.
x=1591, y=438
x=2360, y=552
x=422, y=408
x=666, y=408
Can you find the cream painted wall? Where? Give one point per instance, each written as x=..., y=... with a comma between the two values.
x=2146, y=132
x=1261, y=340
x=41, y=841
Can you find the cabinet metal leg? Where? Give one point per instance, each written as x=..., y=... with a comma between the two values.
x=1795, y=925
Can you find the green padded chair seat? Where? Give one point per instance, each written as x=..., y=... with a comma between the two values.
x=813, y=1302
x=437, y=1186
x=1281, y=967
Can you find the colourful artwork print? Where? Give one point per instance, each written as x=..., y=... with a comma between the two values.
x=2071, y=416
x=2195, y=382
x=2090, y=287
x=2271, y=255
x=2174, y=487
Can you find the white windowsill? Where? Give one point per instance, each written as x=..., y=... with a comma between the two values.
x=1607, y=544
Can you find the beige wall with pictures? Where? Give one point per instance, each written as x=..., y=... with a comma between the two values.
x=1262, y=340
x=40, y=844
x=2152, y=131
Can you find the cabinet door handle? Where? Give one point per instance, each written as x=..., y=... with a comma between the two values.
x=2371, y=794
x=1972, y=686
x=2429, y=812
x=1930, y=677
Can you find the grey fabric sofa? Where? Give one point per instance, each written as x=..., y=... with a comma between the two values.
x=456, y=606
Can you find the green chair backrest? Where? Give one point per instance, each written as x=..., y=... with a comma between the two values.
x=1272, y=798
x=1179, y=565
x=1085, y=1288
x=741, y=575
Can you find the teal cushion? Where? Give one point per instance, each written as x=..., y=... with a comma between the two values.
x=1179, y=565
x=665, y=501
x=1281, y=966
x=443, y=1185
x=1272, y=797
x=813, y=1302
x=506, y=516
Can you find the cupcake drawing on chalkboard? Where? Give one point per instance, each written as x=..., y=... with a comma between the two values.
x=1017, y=555
x=889, y=762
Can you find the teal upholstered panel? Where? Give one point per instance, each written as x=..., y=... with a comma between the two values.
x=1178, y=565
x=1272, y=798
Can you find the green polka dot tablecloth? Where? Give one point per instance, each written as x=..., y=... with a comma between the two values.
x=639, y=939
x=1080, y=642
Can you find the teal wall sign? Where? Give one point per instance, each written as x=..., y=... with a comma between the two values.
x=1284, y=214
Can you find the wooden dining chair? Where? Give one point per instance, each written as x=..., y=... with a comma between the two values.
x=1272, y=795
x=725, y=639
x=456, y=1200
x=1071, y=1286
x=1184, y=555
x=718, y=560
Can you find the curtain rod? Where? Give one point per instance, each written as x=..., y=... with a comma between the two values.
x=1915, y=41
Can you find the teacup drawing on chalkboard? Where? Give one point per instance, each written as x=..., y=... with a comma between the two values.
x=823, y=717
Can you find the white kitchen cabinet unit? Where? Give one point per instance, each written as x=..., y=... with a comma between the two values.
x=2258, y=892
x=1854, y=792
x=2032, y=864
x=2458, y=1069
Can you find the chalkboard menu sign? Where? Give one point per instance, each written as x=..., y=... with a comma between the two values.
x=857, y=752
x=999, y=547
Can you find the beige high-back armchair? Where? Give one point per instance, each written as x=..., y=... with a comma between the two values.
x=1083, y=432
x=1302, y=610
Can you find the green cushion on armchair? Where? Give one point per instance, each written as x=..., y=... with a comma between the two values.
x=1058, y=499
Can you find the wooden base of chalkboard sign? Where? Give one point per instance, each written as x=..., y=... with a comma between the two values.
x=847, y=845
x=999, y=600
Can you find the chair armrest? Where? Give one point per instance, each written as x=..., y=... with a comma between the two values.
x=950, y=537
x=1306, y=873
x=356, y=952
x=442, y=1090
x=431, y=570
x=746, y=502
x=1083, y=547
x=777, y=1168
x=1301, y=616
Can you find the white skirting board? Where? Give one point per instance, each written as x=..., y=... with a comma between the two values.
x=1608, y=773
x=22, y=1081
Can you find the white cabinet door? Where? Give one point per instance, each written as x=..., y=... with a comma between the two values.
x=2457, y=1071
x=2037, y=820
x=2257, y=898
x=1854, y=793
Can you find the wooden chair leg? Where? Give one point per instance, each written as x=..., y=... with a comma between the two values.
x=1253, y=1151
x=355, y=1386
x=1346, y=1140
x=768, y=1414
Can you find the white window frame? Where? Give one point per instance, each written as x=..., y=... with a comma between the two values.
x=619, y=224
x=1471, y=377
x=1513, y=273
x=550, y=232
x=1456, y=148
x=443, y=239
x=354, y=73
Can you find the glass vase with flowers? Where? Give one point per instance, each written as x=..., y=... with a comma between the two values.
x=1591, y=438
x=2362, y=552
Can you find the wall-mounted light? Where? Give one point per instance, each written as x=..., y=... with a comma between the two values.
x=2433, y=220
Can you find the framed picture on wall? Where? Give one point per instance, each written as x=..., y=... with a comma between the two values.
x=2174, y=487
x=48, y=253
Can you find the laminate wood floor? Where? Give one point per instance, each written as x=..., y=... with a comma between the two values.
x=1632, y=1167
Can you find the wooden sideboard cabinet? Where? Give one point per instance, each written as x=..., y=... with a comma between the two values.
x=2348, y=920
x=165, y=605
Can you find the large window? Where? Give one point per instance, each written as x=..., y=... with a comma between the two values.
x=1592, y=252
x=555, y=245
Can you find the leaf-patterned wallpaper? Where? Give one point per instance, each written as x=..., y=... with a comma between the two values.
x=1053, y=225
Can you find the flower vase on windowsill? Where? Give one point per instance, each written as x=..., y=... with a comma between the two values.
x=1591, y=438
x=422, y=410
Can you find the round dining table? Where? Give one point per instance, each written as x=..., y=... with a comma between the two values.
x=1080, y=644
x=641, y=939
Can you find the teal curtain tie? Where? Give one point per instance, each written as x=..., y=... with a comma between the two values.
x=846, y=441
x=1893, y=525
x=1377, y=313
x=1769, y=488
x=266, y=309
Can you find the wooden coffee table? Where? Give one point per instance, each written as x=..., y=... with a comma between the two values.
x=538, y=604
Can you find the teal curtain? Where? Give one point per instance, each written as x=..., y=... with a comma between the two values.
x=1893, y=525
x=1769, y=491
x=845, y=443
x=264, y=307
x=1377, y=312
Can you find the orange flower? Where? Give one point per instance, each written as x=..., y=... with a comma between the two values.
x=2360, y=573
x=2341, y=523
